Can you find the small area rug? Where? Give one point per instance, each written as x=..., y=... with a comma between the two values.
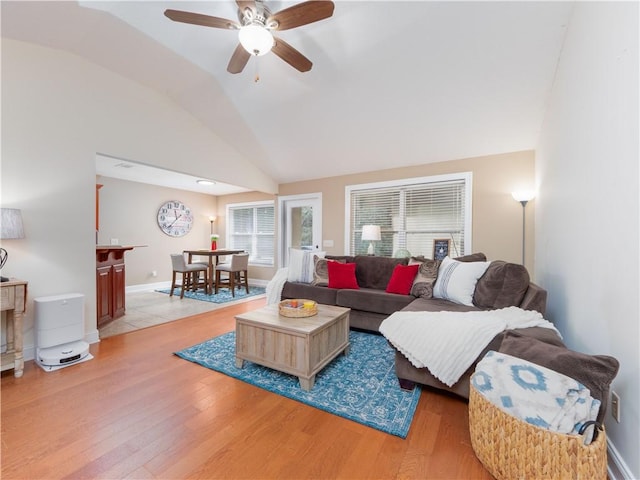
x=361, y=386
x=223, y=295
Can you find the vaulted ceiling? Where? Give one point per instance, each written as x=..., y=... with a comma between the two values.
x=393, y=83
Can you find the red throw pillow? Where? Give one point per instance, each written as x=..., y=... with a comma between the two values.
x=342, y=275
x=402, y=278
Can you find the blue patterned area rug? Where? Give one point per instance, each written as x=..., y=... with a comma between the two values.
x=223, y=296
x=361, y=386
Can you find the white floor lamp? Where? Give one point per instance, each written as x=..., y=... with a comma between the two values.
x=523, y=198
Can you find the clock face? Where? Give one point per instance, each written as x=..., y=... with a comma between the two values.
x=175, y=218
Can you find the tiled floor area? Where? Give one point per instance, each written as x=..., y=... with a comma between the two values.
x=147, y=309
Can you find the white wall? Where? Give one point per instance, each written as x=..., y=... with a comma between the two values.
x=587, y=215
x=58, y=110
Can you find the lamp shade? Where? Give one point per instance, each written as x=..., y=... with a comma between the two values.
x=522, y=196
x=256, y=39
x=371, y=232
x=11, y=226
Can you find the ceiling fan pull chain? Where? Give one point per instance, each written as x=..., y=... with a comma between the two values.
x=256, y=77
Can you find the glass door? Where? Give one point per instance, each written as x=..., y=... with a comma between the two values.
x=301, y=224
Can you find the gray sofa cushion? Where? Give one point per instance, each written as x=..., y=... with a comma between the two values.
x=502, y=285
x=324, y=295
x=375, y=272
x=372, y=300
x=366, y=320
x=535, y=298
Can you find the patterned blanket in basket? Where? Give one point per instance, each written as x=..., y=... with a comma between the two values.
x=535, y=394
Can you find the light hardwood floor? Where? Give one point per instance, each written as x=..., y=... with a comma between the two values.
x=138, y=411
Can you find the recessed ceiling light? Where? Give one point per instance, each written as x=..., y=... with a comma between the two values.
x=206, y=182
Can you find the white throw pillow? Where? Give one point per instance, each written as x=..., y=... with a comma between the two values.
x=457, y=280
x=301, y=265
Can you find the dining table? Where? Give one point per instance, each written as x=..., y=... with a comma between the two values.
x=220, y=252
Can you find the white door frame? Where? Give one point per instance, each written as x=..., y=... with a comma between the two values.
x=285, y=203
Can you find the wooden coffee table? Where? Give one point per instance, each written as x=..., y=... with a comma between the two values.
x=298, y=346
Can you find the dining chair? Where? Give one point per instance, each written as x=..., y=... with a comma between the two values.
x=190, y=274
x=236, y=271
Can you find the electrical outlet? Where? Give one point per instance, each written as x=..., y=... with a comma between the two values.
x=615, y=406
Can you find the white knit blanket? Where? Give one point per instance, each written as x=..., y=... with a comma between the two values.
x=447, y=343
x=275, y=286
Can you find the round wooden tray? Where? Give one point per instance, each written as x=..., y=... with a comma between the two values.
x=298, y=307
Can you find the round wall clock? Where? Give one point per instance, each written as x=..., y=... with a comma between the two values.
x=175, y=218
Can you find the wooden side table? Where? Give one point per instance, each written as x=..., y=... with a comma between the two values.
x=13, y=300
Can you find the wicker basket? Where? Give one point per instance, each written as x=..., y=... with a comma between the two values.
x=298, y=308
x=512, y=449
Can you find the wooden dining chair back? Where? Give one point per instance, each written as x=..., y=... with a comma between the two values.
x=236, y=273
x=190, y=274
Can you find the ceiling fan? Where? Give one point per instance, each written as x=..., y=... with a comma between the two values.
x=256, y=24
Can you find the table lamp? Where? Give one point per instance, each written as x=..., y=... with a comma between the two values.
x=371, y=233
x=10, y=228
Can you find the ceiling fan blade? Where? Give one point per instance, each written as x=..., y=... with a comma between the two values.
x=238, y=60
x=200, y=19
x=292, y=56
x=302, y=14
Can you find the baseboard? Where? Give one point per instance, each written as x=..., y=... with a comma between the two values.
x=617, y=468
x=93, y=336
x=29, y=352
x=147, y=287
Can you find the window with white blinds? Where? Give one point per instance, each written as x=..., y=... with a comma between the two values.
x=251, y=227
x=412, y=214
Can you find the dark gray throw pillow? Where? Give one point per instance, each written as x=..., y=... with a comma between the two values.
x=502, y=285
x=425, y=278
x=596, y=372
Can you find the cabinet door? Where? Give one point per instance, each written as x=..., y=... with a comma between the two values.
x=118, y=290
x=104, y=284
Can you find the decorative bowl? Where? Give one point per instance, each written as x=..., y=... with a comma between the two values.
x=298, y=307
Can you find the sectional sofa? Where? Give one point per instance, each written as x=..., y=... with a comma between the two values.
x=502, y=285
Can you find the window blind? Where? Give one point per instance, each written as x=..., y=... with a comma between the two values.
x=251, y=228
x=411, y=216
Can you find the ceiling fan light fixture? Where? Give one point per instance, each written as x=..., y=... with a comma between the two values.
x=205, y=182
x=256, y=39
